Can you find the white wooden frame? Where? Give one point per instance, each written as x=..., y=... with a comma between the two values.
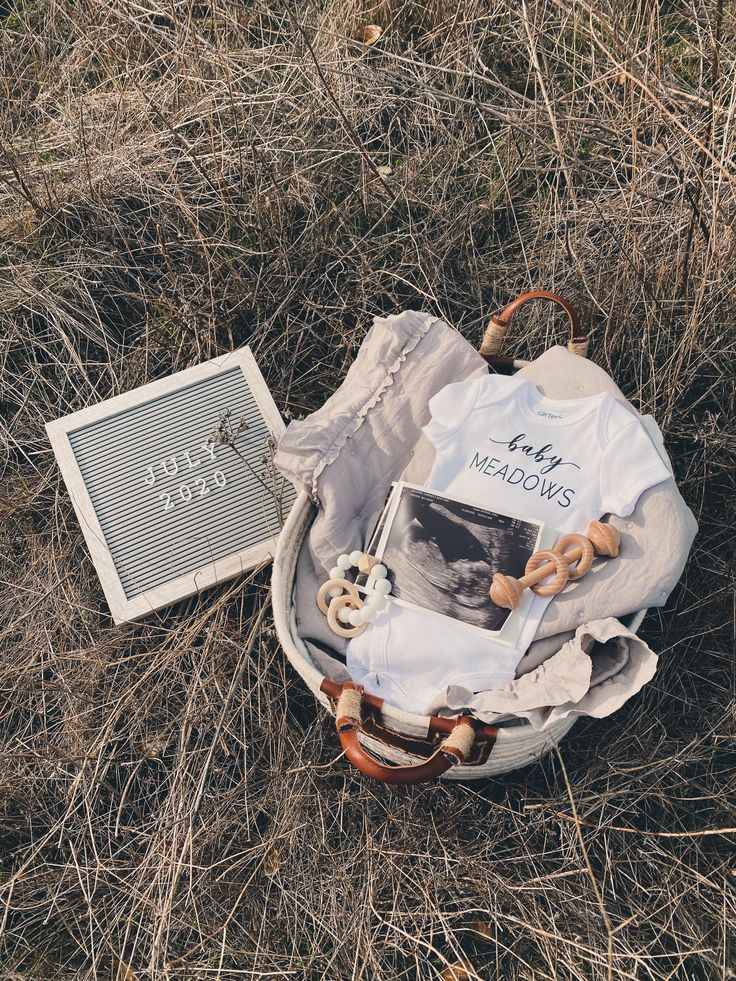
x=123, y=609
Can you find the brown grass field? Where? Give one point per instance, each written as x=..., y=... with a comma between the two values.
x=180, y=178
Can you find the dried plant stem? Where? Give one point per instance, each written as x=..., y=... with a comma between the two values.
x=179, y=179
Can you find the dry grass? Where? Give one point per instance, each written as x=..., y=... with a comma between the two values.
x=182, y=177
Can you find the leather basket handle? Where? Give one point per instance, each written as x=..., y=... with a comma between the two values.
x=499, y=324
x=453, y=750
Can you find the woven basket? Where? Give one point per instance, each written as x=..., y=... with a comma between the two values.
x=373, y=733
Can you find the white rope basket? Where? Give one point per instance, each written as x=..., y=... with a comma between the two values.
x=393, y=734
x=516, y=745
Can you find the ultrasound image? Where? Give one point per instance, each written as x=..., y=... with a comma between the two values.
x=442, y=554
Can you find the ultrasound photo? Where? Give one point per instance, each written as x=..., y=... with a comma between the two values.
x=441, y=554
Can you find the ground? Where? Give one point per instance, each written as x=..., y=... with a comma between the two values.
x=180, y=178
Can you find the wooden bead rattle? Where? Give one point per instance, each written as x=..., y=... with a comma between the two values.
x=565, y=566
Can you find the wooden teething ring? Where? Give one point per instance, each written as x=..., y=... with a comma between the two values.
x=585, y=561
x=561, y=572
x=344, y=629
x=324, y=589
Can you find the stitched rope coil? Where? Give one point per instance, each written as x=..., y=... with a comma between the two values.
x=493, y=337
x=348, y=705
x=579, y=347
x=459, y=742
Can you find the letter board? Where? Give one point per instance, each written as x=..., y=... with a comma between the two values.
x=174, y=484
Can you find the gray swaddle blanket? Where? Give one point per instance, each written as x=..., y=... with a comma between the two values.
x=368, y=434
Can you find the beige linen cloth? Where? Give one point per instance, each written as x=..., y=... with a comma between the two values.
x=593, y=673
x=368, y=434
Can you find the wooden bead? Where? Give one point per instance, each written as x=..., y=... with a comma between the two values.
x=366, y=564
x=582, y=554
x=605, y=538
x=324, y=589
x=334, y=608
x=540, y=560
x=506, y=591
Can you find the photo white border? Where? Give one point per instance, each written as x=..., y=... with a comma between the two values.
x=122, y=609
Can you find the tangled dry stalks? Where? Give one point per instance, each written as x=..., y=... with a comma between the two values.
x=179, y=178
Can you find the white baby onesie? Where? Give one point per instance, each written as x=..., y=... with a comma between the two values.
x=503, y=445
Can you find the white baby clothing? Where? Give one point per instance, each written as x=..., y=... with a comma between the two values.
x=504, y=446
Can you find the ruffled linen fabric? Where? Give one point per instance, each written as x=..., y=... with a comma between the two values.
x=310, y=445
x=346, y=454
x=368, y=434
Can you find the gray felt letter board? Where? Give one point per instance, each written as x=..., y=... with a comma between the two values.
x=174, y=483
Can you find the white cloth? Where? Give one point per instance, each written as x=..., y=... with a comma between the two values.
x=499, y=440
x=501, y=444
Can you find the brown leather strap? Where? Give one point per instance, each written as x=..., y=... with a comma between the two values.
x=453, y=750
x=499, y=324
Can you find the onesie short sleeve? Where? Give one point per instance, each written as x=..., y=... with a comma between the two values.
x=631, y=464
x=452, y=405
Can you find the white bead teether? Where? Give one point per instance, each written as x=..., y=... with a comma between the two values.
x=347, y=614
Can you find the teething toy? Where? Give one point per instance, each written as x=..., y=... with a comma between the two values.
x=565, y=566
x=347, y=615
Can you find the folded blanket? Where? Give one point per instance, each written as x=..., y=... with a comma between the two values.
x=368, y=434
